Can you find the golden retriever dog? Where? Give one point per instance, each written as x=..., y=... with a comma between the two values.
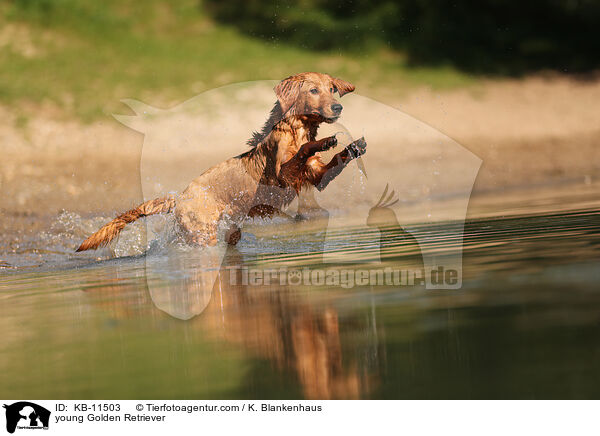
x=281, y=161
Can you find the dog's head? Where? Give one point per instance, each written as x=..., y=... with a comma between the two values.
x=312, y=95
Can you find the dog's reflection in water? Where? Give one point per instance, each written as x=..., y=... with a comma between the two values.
x=273, y=322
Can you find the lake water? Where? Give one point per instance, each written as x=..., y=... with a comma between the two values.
x=525, y=324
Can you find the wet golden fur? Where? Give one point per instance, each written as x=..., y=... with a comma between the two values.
x=282, y=160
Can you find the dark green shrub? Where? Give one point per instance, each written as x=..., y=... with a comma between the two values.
x=484, y=36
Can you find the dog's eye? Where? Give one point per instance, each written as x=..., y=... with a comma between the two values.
x=314, y=91
x=333, y=90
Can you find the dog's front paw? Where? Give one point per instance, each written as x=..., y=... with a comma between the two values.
x=328, y=143
x=358, y=147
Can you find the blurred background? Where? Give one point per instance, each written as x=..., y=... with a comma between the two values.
x=84, y=55
x=514, y=82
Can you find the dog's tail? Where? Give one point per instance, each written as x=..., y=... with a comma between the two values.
x=109, y=231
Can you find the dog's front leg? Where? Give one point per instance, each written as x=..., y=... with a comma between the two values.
x=292, y=170
x=327, y=173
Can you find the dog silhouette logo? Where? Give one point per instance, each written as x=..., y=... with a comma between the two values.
x=26, y=415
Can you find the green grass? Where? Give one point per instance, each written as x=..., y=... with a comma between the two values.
x=83, y=57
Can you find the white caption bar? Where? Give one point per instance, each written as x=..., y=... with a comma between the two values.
x=155, y=417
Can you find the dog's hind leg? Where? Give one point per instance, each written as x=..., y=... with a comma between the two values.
x=266, y=211
x=233, y=235
x=308, y=207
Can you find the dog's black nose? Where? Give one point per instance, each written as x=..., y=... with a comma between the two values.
x=337, y=108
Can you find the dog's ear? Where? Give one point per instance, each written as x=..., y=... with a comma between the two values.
x=342, y=86
x=287, y=92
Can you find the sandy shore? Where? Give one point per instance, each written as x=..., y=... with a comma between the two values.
x=537, y=131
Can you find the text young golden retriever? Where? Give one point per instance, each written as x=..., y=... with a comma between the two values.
x=282, y=160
